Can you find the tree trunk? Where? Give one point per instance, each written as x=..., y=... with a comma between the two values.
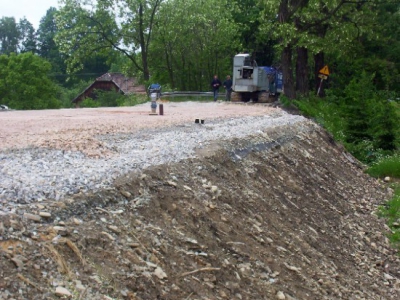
x=288, y=82
x=169, y=66
x=302, y=71
x=286, y=56
x=319, y=64
x=143, y=45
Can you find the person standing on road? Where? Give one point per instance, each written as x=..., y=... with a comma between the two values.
x=228, y=87
x=215, y=84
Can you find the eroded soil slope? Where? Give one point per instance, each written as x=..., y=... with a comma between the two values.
x=285, y=214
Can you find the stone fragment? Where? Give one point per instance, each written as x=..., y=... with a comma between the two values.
x=151, y=265
x=45, y=214
x=114, y=229
x=61, y=230
x=108, y=235
x=62, y=292
x=388, y=276
x=76, y=221
x=32, y=217
x=18, y=263
x=171, y=183
x=79, y=286
x=160, y=273
x=259, y=218
x=292, y=268
x=387, y=179
x=280, y=295
x=126, y=194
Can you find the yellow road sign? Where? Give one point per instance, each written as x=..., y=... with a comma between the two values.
x=324, y=71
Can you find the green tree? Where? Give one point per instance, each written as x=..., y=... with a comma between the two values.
x=27, y=36
x=247, y=16
x=372, y=123
x=24, y=83
x=9, y=35
x=189, y=48
x=87, y=27
x=305, y=27
x=47, y=47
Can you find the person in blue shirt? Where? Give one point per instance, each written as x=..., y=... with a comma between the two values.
x=215, y=84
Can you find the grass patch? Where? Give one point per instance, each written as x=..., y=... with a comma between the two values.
x=391, y=211
x=387, y=166
x=326, y=113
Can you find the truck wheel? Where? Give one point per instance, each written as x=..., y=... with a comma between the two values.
x=236, y=97
x=263, y=97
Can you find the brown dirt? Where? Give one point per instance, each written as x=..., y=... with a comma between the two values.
x=285, y=215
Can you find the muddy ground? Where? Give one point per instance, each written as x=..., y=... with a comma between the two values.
x=285, y=214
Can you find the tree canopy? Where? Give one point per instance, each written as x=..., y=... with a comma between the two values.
x=181, y=44
x=24, y=83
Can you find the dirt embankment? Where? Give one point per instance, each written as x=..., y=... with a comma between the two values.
x=280, y=215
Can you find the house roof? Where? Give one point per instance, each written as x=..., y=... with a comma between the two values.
x=126, y=85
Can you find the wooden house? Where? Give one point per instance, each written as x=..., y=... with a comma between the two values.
x=111, y=82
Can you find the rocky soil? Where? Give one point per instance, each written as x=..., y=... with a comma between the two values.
x=281, y=212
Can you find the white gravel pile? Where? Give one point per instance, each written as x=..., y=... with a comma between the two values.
x=35, y=174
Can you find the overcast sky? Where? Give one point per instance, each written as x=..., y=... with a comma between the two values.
x=33, y=10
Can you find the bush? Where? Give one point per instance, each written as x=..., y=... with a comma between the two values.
x=24, y=83
x=90, y=103
x=132, y=100
x=387, y=166
x=391, y=211
x=327, y=112
x=370, y=116
x=359, y=116
x=108, y=98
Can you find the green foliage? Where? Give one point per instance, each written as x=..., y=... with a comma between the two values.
x=327, y=112
x=103, y=27
x=67, y=94
x=47, y=47
x=90, y=103
x=24, y=83
x=189, y=48
x=387, y=166
x=113, y=99
x=391, y=211
x=108, y=98
x=360, y=117
x=132, y=100
x=370, y=116
x=27, y=36
x=9, y=35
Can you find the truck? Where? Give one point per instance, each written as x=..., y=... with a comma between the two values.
x=251, y=82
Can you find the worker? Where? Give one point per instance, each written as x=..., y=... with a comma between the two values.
x=228, y=87
x=215, y=84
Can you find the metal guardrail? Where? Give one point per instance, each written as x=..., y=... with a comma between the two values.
x=190, y=94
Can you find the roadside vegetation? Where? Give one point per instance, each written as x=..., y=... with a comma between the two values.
x=391, y=211
x=366, y=121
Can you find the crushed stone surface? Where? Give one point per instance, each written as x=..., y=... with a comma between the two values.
x=53, y=154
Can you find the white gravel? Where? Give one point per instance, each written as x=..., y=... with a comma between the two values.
x=35, y=174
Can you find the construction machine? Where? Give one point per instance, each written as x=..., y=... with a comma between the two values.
x=253, y=83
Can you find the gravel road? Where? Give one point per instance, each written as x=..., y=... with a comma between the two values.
x=55, y=153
